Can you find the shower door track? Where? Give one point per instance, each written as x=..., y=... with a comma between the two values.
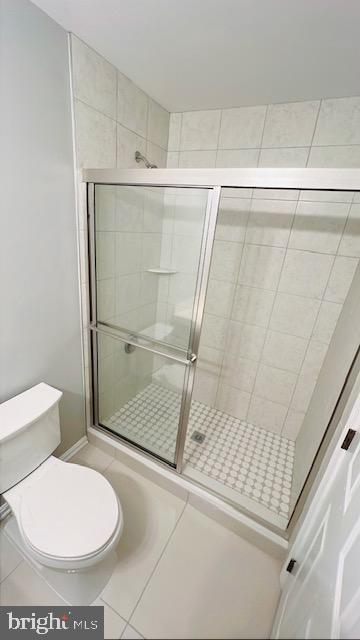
x=214, y=179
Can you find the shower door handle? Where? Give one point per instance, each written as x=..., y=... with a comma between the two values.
x=193, y=358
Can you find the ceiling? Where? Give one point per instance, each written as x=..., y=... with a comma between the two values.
x=204, y=54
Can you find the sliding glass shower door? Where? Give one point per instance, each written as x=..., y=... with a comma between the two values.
x=150, y=251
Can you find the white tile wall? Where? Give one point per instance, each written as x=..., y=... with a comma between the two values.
x=283, y=261
x=113, y=119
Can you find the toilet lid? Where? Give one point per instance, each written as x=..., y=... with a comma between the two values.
x=71, y=512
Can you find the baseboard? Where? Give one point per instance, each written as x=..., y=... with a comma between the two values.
x=5, y=509
x=74, y=449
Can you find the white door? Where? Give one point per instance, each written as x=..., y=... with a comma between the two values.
x=321, y=597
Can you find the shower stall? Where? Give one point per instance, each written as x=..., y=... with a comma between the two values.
x=221, y=302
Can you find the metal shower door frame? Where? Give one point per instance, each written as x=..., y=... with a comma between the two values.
x=251, y=178
x=170, y=352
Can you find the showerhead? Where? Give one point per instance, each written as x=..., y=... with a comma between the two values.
x=140, y=158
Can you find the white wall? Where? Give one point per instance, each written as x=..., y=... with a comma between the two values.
x=283, y=261
x=40, y=318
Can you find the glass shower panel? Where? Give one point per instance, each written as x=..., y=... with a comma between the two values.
x=148, y=248
x=139, y=395
x=284, y=272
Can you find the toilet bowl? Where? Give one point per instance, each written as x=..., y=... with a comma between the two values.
x=66, y=518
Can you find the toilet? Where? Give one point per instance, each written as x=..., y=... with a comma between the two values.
x=66, y=519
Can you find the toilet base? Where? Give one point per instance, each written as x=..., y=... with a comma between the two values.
x=80, y=587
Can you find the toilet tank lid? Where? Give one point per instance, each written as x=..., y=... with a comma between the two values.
x=20, y=412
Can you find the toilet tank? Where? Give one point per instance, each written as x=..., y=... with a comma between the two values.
x=29, y=432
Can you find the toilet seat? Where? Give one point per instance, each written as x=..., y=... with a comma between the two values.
x=67, y=514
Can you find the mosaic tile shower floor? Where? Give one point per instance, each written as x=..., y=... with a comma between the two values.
x=252, y=461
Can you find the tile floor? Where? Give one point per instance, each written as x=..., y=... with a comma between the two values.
x=180, y=574
x=254, y=462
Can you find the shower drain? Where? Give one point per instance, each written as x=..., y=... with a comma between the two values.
x=198, y=437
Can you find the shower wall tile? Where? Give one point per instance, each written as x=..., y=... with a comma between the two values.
x=219, y=297
x=94, y=78
x=228, y=192
x=211, y=359
x=305, y=273
x=277, y=314
x=127, y=143
x=132, y=105
x=284, y=157
x=172, y=159
x=314, y=358
x=318, y=226
x=205, y=386
x=237, y=158
x=106, y=299
x=127, y=293
x=174, y=131
x=350, y=245
x=338, y=122
x=225, y=261
x=157, y=154
x=245, y=340
x=270, y=222
x=340, y=280
x=158, y=124
x=239, y=372
x=346, y=157
x=303, y=392
x=312, y=195
x=105, y=254
x=105, y=200
x=233, y=401
x=261, y=266
x=127, y=253
x=200, y=130
x=191, y=159
x=284, y=351
x=267, y=414
x=294, y=315
x=232, y=219
x=326, y=321
x=275, y=384
x=184, y=253
x=242, y=128
x=293, y=423
x=276, y=194
x=213, y=332
x=290, y=124
x=95, y=138
x=252, y=306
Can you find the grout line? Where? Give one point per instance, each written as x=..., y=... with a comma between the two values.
x=22, y=561
x=273, y=305
x=322, y=300
x=117, y=122
x=313, y=135
x=117, y=125
x=218, y=137
x=158, y=561
x=112, y=608
x=129, y=625
x=262, y=135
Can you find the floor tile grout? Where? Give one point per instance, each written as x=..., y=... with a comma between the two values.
x=2, y=582
x=158, y=561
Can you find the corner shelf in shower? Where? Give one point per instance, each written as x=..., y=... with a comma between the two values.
x=162, y=272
